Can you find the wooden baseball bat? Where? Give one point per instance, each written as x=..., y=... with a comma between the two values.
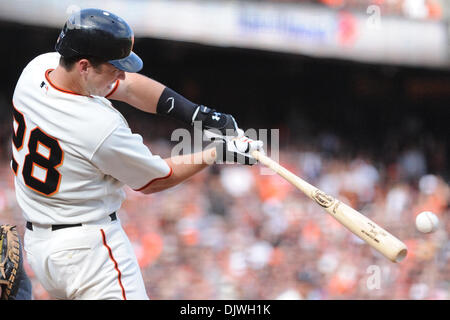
x=381, y=240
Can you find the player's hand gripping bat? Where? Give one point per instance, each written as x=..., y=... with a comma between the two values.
x=391, y=247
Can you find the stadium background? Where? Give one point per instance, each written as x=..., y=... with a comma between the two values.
x=373, y=134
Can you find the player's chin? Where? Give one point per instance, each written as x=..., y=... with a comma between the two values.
x=109, y=88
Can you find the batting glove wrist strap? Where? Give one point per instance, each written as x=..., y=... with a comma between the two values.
x=178, y=107
x=211, y=119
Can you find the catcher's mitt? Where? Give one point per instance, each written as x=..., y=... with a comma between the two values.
x=10, y=263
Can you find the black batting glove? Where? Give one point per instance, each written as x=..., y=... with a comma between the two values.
x=211, y=119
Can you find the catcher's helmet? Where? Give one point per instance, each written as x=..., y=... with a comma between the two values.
x=101, y=34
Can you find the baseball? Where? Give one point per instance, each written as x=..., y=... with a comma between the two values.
x=427, y=222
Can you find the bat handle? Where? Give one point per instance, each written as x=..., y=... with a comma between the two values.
x=261, y=157
x=301, y=184
x=256, y=154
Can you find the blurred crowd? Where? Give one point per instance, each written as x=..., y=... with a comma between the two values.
x=239, y=232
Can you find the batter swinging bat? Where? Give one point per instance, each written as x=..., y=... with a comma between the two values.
x=391, y=247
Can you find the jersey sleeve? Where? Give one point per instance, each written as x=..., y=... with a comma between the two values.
x=124, y=156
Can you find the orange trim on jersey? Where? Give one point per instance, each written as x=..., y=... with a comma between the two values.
x=116, y=265
x=57, y=166
x=58, y=88
x=44, y=146
x=167, y=176
x=113, y=89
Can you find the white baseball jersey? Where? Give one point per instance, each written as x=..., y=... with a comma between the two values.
x=72, y=154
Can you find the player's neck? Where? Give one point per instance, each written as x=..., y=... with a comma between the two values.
x=67, y=80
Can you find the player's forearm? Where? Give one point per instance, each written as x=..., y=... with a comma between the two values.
x=139, y=91
x=183, y=167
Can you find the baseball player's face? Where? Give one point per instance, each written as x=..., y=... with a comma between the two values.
x=102, y=79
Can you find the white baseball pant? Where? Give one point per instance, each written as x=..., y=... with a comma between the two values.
x=95, y=261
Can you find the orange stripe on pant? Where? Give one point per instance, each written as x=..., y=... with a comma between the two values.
x=116, y=266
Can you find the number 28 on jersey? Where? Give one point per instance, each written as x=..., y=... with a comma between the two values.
x=43, y=157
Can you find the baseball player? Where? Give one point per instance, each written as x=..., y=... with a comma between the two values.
x=73, y=152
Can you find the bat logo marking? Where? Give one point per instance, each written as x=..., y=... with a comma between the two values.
x=336, y=206
x=371, y=236
x=323, y=199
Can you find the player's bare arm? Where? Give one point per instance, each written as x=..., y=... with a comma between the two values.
x=138, y=91
x=151, y=96
x=183, y=167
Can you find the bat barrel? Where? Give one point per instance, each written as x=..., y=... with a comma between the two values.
x=374, y=235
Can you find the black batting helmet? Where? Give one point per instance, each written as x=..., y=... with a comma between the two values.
x=101, y=34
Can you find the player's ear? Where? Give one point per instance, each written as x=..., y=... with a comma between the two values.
x=83, y=65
